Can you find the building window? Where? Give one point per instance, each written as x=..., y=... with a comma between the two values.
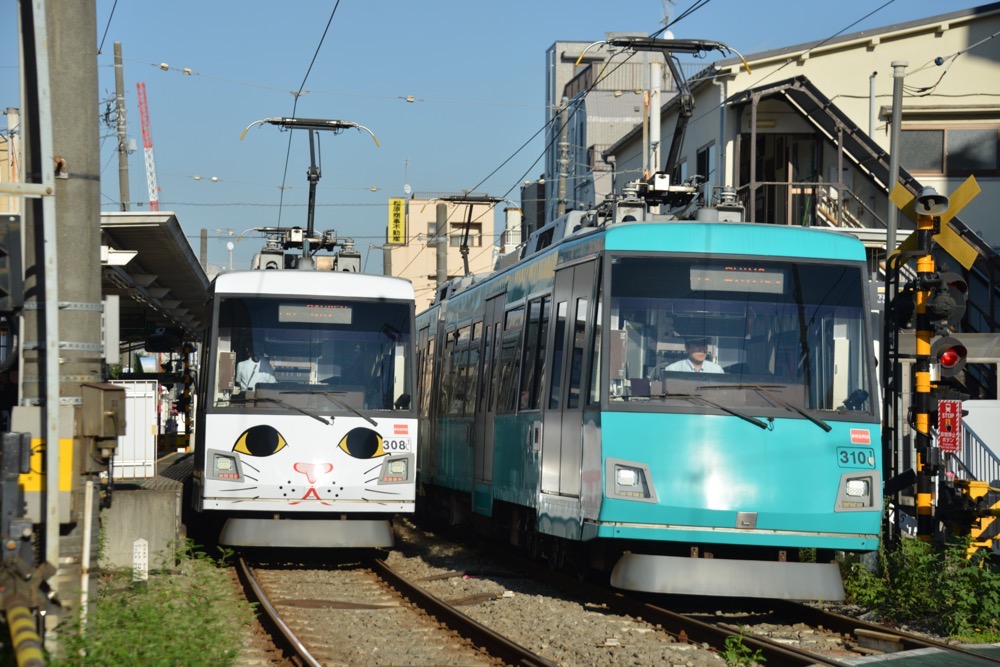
x=950, y=151
x=706, y=162
x=475, y=235
x=680, y=172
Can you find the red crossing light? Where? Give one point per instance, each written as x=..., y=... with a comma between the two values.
x=949, y=353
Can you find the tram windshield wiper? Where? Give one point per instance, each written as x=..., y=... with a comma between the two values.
x=289, y=406
x=764, y=390
x=735, y=413
x=340, y=403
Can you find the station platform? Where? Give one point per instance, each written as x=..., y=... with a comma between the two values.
x=932, y=657
x=150, y=510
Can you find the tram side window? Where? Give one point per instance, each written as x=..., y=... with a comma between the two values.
x=510, y=360
x=472, y=371
x=595, y=359
x=225, y=371
x=533, y=359
x=576, y=360
x=448, y=370
x=559, y=346
x=462, y=374
x=427, y=380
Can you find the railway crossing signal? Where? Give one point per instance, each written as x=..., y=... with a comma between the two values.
x=949, y=354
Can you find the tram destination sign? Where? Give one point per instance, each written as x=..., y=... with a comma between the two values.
x=738, y=278
x=326, y=313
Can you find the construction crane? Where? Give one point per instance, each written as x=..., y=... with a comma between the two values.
x=147, y=149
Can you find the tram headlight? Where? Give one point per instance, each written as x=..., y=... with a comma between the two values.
x=626, y=476
x=395, y=471
x=225, y=466
x=629, y=480
x=858, y=488
x=857, y=491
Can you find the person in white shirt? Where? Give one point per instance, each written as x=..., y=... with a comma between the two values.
x=249, y=372
x=697, y=362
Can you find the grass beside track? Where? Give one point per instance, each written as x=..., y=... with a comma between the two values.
x=190, y=614
x=931, y=586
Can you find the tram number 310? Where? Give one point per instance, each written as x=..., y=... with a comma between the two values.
x=855, y=457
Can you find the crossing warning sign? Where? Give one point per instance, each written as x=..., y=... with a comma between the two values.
x=950, y=426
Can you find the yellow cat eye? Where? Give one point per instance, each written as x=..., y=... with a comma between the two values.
x=362, y=443
x=262, y=440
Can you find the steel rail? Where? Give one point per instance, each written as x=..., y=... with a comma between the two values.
x=848, y=624
x=290, y=639
x=497, y=645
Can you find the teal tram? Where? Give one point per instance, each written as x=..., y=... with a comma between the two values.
x=688, y=405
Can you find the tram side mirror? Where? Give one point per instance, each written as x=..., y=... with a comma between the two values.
x=403, y=402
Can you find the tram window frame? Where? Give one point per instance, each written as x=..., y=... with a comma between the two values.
x=578, y=352
x=447, y=372
x=510, y=364
x=427, y=379
x=595, y=351
x=560, y=316
x=533, y=353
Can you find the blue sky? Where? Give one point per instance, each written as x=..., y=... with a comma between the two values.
x=475, y=69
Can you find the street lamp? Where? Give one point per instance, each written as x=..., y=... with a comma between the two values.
x=229, y=247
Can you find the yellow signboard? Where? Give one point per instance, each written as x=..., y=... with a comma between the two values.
x=397, y=222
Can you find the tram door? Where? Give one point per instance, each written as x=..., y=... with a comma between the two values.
x=572, y=320
x=486, y=407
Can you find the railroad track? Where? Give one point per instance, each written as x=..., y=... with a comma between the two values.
x=805, y=635
x=369, y=615
x=859, y=638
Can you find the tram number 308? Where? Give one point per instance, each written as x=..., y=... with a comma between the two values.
x=396, y=445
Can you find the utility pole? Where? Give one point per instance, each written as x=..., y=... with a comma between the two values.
x=898, y=71
x=61, y=343
x=122, y=127
x=441, y=232
x=563, y=157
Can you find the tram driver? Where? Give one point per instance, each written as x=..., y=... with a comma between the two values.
x=251, y=371
x=697, y=360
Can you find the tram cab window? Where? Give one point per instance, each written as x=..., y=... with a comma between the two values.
x=355, y=351
x=796, y=327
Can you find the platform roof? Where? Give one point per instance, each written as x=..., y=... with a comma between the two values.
x=148, y=262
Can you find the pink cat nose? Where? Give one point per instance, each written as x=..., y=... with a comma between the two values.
x=312, y=471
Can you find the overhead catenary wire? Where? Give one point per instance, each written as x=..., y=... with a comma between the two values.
x=100, y=47
x=295, y=105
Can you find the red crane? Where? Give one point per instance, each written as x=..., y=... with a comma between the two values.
x=147, y=149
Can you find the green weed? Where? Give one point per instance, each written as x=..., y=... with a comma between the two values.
x=931, y=585
x=185, y=614
x=738, y=654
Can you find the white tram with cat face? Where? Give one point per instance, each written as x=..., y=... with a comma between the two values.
x=306, y=432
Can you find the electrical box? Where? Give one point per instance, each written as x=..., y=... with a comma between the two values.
x=103, y=413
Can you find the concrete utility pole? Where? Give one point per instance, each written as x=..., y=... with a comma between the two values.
x=898, y=71
x=122, y=128
x=563, y=157
x=441, y=232
x=65, y=291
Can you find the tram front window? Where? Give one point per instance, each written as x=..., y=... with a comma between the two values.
x=279, y=353
x=682, y=326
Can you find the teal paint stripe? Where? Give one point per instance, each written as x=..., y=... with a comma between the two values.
x=735, y=238
x=660, y=534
